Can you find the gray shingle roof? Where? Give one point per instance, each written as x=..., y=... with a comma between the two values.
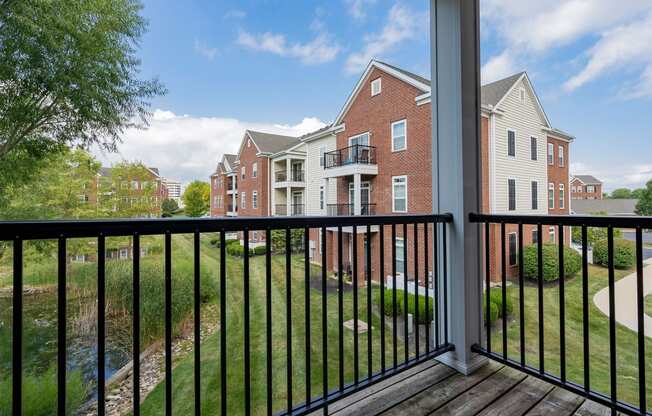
x=272, y=143
x=230, y=158
x=588, y=179
x=492, y=93
x=610, y=206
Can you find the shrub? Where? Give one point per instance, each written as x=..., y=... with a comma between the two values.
x=235, y=249
x=572, y=262
x=259, y=250
x=496, y=305
x=624, y=253
x=215, y=242
x=425, y=316
x=593, y=234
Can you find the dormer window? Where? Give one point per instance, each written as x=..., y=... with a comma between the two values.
x=376, y=86
x=248, y=143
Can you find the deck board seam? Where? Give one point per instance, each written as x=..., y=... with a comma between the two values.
x=500, y=396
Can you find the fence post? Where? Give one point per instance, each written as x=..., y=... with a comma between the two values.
x=454, y=38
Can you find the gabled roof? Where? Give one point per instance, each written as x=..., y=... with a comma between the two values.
x=588, y=179
x=417, y=78
x=228, y=161
x=269, y=143
x=107, y=172
x=608, y=206
x=492, y=93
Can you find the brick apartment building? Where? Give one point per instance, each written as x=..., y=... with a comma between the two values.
x=586, y=187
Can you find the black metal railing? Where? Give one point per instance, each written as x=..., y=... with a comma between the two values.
x=337, y=210
x=570, y=367
x=295, y=176
x=365, y=366
x=356, y=153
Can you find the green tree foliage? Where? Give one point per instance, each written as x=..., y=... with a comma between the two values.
x=638, y=193
x=624, y=253
x=621, y=193
x=169, y=207
x=130, y=191
x=296, y=240
x=572, y=262
x=196, y=198
x=593, y=234
x=644, y=205
x=69, y=72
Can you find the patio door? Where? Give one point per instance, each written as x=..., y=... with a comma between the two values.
x=296, y=172
x=297, y=203
x=365, y=196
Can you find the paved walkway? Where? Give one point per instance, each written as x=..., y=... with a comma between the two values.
x=626, y=300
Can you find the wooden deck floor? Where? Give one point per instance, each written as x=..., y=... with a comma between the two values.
x=434, y=389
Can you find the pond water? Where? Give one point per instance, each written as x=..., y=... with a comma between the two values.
x=40, y=337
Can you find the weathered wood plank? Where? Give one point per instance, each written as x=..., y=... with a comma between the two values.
x=386, y=398
x=520, y=399
x=558, y=402
x=436, y=396
x=477, y=398
x=590, y=408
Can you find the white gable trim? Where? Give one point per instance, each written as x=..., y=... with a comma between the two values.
x=391, y=71
x=525, y=78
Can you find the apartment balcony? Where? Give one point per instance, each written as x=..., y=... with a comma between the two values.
x=293, y=210
x=296, y=179
x=351, y=160
x=231, y=210
x=338, y=210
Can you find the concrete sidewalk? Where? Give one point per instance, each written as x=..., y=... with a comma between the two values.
x=626, y=302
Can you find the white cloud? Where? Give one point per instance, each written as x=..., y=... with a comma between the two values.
x=186, y=148
x=318, y=51
x=402, y=24
x=624, y=45
x=357, y=8
x=613, y=177
x=204, y=50
x=235, y=14
x=498, y=67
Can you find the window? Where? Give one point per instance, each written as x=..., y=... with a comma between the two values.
x=535, y=237
x=590, y=189
x=376, y=86
x=511, y=193
x=534, y=149
x=254, y=200
x=243, y=200
x=561, y=156
x=561, y=196
x=322, y=152
x=124, y=253
x=535, y=195
x=512, y=249
x=134, y=184
x=551, y=154
x=511, y=143
x=551, y=234
x=399, y=135
x=243, y=172
x=551, y=196
x=399, y=194
x=254, y=170
x=321, y=197
x=254, y=236
x=360, y=139
x=400, y=258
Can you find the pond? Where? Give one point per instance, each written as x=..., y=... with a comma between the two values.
x=40, y=337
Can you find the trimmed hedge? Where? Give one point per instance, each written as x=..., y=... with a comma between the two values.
x=423, y=317
x=235, y=249
x=624, y=253
x=572, y=262
x=496, y=305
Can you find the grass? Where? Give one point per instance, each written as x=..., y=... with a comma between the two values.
x=648, y=305
x=182, y=377
x=627, y=357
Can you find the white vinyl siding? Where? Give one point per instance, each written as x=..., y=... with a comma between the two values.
x=315, y=176
x=399, y=194
x=399, y=135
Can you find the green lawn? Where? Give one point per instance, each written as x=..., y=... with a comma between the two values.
x=648, y=305
x=627, y=357
x=183, y=388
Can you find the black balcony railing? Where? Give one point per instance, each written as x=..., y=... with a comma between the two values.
x=356, y=153
x=337, y=210
x=384, y=355
x=295, y=176
x=566, y=319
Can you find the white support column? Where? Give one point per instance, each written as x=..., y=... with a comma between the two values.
x=326, y=185
x=454, y=40
x=288, y=189
x=357, y=194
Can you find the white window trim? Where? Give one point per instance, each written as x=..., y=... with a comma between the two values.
x=551, y=187
x=400, y=271
x=561, y=156
x=507, y=137
x=509, y=235
x=254, y=170
x=537, y=199
x=535, y=231
x=550, y=157
x=243, y=200
x=379, y=83
x=405, y=138
x=254, y=200
x=515, y=194
x=394, y=193
x=562, y=196
x=552, y=234
x=360, y=135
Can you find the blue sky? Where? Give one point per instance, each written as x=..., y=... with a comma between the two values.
x=288, y=66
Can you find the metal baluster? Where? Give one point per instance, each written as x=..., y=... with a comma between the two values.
x=101, y=327
x=427, y=284
x=540, y=297
x=585, y=309
x=61, y=327
x=268, y=314
x=197, y=324
x=340, y=308
x=444, y=250
x=356, y=364
x=136, y=325
x=435, y=268
x=640, y=302
x=168, y=323
x=503, y=289
x=324, y=320
x=394, y=311
x=288, y=312
x=381, y=249
x=306, y=266
x=17, y=330
x=416, y=292
x=369, y=305
x=521, y=294
x=612, y=320
x=405, y=294
x=247, y=347
x=487, y=283
x=223, y=385
x=562, y=307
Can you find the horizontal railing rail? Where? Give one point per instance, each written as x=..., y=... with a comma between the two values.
x=349, y=209
x=353, y=154
x=295, y=176
x=390, y=346
x=569, y=364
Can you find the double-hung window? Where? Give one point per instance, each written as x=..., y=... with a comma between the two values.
x=534, y=148
x=399, y=135
x=321, y=197
x=243, y=200
x=535, y=236
x=512, y=249
x=376, y=86
x=400, y=258
x=254, y=200
x=551, y=196
x=561, y=156
x=399, y=194
x=551, y=234
x=511, y=143
x=561, y=196
x=535, y=195
x=551, y=154
x=511, y=194
x=243, y=172
x=254, y=170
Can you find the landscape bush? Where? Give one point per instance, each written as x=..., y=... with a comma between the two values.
x=572, y=262
x=624, y=253
x=425, y=316
x=496, y=305
x=593, y=234
x=235, y=249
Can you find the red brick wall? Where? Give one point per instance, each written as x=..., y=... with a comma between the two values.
x=218, y=188
x=250, y=184
x=559, y=175
x=582, y=194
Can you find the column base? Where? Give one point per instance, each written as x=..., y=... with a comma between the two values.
x=463, y=367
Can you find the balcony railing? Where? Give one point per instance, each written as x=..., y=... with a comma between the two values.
x=295, y=209
x=375, y=354
x=555, y=334
x=295, y=176
x=337, y=210
x=356, y=153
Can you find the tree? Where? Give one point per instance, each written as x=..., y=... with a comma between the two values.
x=169, y=207
x=644, y=205
x=621, y=193
x=638, y=193
x=130, y=191
x=196, y=198
x=69, y=72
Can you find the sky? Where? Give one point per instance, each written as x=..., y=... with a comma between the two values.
x=287, y=67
